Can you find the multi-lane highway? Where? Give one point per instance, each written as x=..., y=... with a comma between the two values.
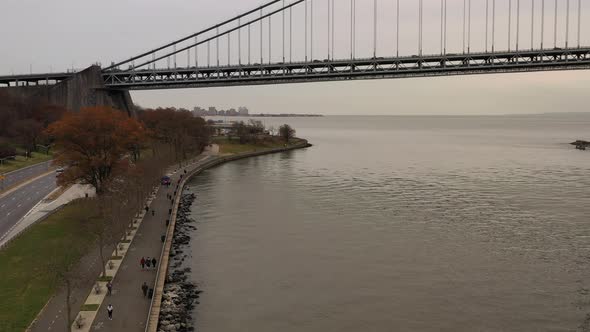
x=15, y=204
x=22, y=175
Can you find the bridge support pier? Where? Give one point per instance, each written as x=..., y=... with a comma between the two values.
x=83, y=89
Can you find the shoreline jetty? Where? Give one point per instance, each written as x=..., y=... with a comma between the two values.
x=581, y=144
x=175, y=296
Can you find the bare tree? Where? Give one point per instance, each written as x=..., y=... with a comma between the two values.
x=286, y=132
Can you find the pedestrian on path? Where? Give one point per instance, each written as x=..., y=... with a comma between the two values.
x=154, y=262
x=147, y=208
x=142, y=263
x=144, y=289
x=148, y=262
x=185, y=171
x=110, y=288
x=153, y=212
x=110, y=311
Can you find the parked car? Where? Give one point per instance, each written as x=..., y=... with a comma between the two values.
x=165, y=180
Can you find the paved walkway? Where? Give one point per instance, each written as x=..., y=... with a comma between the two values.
x=130, y=307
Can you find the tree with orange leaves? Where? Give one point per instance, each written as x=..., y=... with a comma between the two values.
x=93, y=144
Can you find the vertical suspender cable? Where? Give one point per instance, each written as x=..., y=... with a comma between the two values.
x=329, y=26
x=283, y=13
x=196, y=53
x=464, y=20
x=239, y=44
x=555, y=27
x=532, y=25
x=305, y=3
x=374, y=28
x=509, y=24
x=469, y=28
x=351, y=29
x=441, y=25
x=397, y=30
x=188, y=58
x=517, y=23
x=542, y=23
x=217, y=46
x=261, y=52
x=249, y=44
x=333, y=26
x=493, y=24
x=420, y=7
x=445, y=41
x=228, y=48
x=567, y=23
x=208, y=53
x=154, y=58
x=290, y=34
x=311, y=28
x=174, y=56
x=487, y=22
x=579, y=20
x=269, y=39
x=354, y=28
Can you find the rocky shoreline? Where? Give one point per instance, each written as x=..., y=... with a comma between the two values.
x=180, y=296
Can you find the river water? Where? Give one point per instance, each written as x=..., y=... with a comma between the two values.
x=400, y=224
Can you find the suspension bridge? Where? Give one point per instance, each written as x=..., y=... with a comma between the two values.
x=300, y=41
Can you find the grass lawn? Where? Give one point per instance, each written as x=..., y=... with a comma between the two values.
x=233, y=146
x=26, y=264
x=20, y=162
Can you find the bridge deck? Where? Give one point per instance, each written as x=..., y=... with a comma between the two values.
x=331, y=70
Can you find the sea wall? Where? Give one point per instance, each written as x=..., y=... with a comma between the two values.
x=170, y=283
x=84, y=89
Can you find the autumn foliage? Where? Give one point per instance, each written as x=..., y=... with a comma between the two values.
x=94, y=145
x=178, y=129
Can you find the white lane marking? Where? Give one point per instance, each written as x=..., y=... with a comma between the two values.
x=3, y=205
x=8, y=213
x=19, y=205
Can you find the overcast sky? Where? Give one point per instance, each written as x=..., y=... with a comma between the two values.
x=59, y=34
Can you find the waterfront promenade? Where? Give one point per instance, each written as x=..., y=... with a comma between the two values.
x=130, y=307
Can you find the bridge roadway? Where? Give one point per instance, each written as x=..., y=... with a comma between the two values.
x=332, y=70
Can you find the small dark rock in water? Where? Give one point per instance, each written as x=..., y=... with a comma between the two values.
x=180, y=296
x=581, y=145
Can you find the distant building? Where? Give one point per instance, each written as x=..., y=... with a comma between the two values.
x=231, y=112
x=212, y=111
x=221, y=113
x=243, y=111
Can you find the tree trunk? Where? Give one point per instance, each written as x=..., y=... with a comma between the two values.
x=68, y=306
x=100, y=249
